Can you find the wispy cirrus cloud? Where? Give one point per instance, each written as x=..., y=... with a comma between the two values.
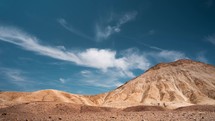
x=150, y=46
x=62, y=80
x=16, y=77
x=95, y=58
x=201, y=57
x=31, y=43
x=111, y=65
x=104, y=29
x=109, y=79
x=170, y=55
x=161, y=54
x=211, y=39
x=70, y=28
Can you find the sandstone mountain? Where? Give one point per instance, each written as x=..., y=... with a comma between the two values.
x=171, y=85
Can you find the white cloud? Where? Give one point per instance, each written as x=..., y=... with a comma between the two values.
x=110, y=65
x=102, y=58
x=105, y=59
x=109, y=79
x=31, y=43
x=150, y=46
x=96, y=58
x=104, y=29
x=16, y=77
x=170, y=55
x=70, y=28
x=132, y=59
x=85, y=72
x=62, y=80
x=104, y=32
x=126, y=18
x=201, y=57
x=13, y=75
x=61, y=48
x=211, y=39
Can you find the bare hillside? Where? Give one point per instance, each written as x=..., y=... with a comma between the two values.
x=169, y=85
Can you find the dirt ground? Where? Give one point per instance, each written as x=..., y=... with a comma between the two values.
x=56, y=111
x=114, y=116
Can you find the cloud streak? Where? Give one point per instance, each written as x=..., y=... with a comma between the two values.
x=16, y=77
x=168, y=55
x=62, y=80
x=109, y=79
x=96, y=58
x=31, y=43
x=13, y=75
x=111, y=65
x=211, y=39
x=201, y=57
x=150, y=46
x=70, y=28
x=104, y=29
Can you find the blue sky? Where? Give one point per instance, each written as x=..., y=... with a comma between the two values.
x=90, y=47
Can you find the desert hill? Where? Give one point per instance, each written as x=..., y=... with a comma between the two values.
x=170, y=85
x=13, y=98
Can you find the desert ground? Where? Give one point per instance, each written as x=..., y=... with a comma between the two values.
x=56, y=111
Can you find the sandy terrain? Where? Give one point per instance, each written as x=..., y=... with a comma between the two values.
x=121, y=116
x=53, y=111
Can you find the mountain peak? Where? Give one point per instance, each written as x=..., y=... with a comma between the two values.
x=184, y=61
x=175, y=84
x=175, y=63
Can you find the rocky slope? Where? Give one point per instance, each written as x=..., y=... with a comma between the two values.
x=170, y=85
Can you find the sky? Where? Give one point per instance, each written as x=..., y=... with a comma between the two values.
x=94, y=46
